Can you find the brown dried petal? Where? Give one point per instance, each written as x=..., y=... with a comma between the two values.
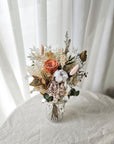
x=43, y=81
x=83, y=56
x=35, y=82
x=35, y=77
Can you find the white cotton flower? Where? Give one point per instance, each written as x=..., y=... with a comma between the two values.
x=60, y=75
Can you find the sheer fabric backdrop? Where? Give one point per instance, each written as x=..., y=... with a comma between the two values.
x=28, y=23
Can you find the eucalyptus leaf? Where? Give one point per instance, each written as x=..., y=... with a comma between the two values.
x=50, y=98
x=72, y=58
x=69, y=57
x=70, y=63
x=73, y=92
x=47, y=97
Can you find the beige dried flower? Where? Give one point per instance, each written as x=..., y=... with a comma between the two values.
x=50, y=54
x=41, y=50
x=63, y=58
x=56, y=89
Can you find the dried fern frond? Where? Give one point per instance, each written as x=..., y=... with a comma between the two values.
x=33, y=70
x=35, y=54
x=62, y=58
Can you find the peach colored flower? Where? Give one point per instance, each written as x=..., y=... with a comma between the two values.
x=41, y=49
x=51, y=65
x=74, y=70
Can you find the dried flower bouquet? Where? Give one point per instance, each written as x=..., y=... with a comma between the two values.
x=55, y=74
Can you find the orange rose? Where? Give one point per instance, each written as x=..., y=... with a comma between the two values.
x=51, y=65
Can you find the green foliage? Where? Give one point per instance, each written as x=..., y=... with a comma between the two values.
x=47, y=97
x=70, y=60
x=73, y=92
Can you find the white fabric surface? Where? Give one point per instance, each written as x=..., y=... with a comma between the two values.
x=88, y=119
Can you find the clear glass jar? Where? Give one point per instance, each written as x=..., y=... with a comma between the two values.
x=55, y=111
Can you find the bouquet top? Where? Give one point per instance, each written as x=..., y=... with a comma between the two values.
x=55, y=74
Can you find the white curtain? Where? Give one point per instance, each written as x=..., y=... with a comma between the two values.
x=28, y=23
x=93, y=29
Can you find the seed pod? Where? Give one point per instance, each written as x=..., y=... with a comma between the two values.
x=41, y=49
x=83, y=56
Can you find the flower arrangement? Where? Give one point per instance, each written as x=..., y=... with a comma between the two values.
x=55, y=74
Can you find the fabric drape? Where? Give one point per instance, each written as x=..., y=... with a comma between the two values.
x=93, y=29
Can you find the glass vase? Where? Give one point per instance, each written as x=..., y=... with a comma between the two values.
x=55, y=111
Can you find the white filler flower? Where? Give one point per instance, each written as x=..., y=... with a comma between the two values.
x=60, y=75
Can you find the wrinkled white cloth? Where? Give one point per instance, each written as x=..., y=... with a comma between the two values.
x=88, y=119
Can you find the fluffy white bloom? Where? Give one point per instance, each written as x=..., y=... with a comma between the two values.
x=60, y=75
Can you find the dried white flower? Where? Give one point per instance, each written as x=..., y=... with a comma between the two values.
x=79, y=62
x=60, y=75
x=67, y=89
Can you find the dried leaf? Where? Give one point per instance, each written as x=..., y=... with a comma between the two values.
x=35, y=77
x=42, y=93
x=83, y=56
x=35, y=82
x=43, y=81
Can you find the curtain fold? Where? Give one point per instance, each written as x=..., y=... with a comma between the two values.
x=9, y=78
x=17, y=32
x=59, y=20
x=105, y=52
x=41, y=18
x=92, y=30
x=13, y=84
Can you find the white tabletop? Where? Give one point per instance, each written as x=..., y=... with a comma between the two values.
x=88, y=119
